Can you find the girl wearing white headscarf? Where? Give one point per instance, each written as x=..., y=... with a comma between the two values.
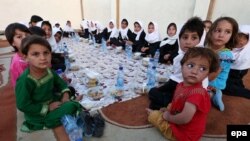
x=125, y=34
x=152, y=40
x=110, y=32
x=169, y=46
x=240, y=66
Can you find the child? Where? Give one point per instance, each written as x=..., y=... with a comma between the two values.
x=124, y=34
x=240, y=66
x=186, y=118
x=152, y=40
x=110, y=32
x=189, y=37
x=221, y=38
x=207, y=25
x=15, y=33
x=138, y=40
x=68, y=31
x=169, y=46
x=40, y=93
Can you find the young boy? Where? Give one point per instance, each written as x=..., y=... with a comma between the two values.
x=185, y=118
x=189, y=37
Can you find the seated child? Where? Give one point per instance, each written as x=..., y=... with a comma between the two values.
x=189, y=37
x=185, y=118
x=240, y=66
x=15, y=33
x=169, y=45
x=41, y=94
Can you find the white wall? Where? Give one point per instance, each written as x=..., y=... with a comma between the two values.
x=52, y=10
x=238, y=9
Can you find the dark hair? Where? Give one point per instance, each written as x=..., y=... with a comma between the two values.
x=138, y=24
x=207, y=21
x=46, y=23
x=35, y=18
x=151, y=23
x=233, y=39
x=35, y=30
x=125, y=20
x=172, y=24
x=194, y=24
x=211, y=56
x=11, y=30
x=33, y=39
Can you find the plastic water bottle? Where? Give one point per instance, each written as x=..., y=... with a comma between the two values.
x=104, y=47
x=66, y=57
x=156, y=57
x=150, y=65
x=151, y=78
x=128, y=51
x=94, y=41
x=120, y=79
x=73, y=131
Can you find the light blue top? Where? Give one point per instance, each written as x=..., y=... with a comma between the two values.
x=226, y=59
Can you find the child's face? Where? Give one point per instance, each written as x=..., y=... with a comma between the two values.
x=111, y=25
x=137, y=27
x=195, y=70
x=58, y=37
x=38, y=57
x=18, y=37
x=241, y=40
x=151, y=28
x=207, y=26
x=171, y=31
x=189, y=40
x=124, y=25
x=221, y=34
x=47, y=30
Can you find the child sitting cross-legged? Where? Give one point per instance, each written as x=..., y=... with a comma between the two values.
x=41, y=94
x=185, y=118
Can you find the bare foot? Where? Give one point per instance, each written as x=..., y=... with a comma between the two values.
x=149, y=110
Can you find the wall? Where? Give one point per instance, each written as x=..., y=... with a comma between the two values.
x=52, y=10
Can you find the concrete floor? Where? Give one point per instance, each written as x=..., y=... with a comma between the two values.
x=111, y=133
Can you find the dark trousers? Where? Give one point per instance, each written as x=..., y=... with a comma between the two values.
x=235, y=86
x=162, y=96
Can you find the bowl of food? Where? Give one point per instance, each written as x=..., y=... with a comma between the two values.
x=118, y=49
x=117, y=93
x=137, y=55
x=145, y=61
x=95, y=93
x=141, y=89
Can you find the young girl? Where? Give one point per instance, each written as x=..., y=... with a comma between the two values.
x=185, y=118
x=221, y=38
x=152, y=40
x=110, y=32
x=46, y=26
x=125, y=34
x=138, y=39
x=40, y=93
x=169, y=46
x=240, y=66
x=15, y=33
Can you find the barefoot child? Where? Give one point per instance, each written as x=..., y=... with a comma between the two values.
x=41, y=94
x=186, y=117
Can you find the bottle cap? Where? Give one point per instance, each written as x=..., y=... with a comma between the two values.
x=59, y=71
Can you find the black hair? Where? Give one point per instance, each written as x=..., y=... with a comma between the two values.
x=36, y=18
x=194, y=24
x=35, y=30
x=11, y=30
x=172, y=24
x=138, y=24
x=46, y=23
x=125, y=20
x=33, y=39
x=211, y=56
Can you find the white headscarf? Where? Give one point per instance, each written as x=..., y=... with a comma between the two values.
x=203, y=37
x=154, y=36
x=92, y=26
x=84, y=24
x=170, y=40
x=138, y=34
x=68, y=28
x=242, y=55
x=99, y=26
x=124, y=32
x=114, y=31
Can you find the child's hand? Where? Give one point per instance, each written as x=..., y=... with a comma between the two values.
x=169, y=106
x=166, y=115
x=143, y=49
x=54, y=105
x=129, y=42
x=213, y=75
x=166, y=57
x=65, y=97
x=163, y=109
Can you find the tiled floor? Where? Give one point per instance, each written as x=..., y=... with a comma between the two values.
x=112, y=133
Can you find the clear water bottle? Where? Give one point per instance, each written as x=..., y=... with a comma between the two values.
x=94, y=41
x=150, y=65
x=151, y=80
x=73, y=131
x=120, y=79
x=156, y=57
x=104, y=47
x=128, y=51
